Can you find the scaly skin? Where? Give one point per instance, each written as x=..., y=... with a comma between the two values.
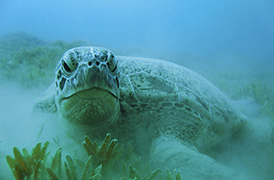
x=164, y=109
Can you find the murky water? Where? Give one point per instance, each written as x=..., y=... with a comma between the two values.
x=231, y=43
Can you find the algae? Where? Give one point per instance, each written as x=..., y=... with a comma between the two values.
x=30, y=61
x=104, y=161
x=28, y=165
x=264, y=96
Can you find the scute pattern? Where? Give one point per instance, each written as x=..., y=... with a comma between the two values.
x=159, y=89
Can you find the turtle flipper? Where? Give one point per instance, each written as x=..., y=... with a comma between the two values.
x=46, y=102
x=171, y=154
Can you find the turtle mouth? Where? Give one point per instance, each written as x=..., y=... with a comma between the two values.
x=93, y=106
x=91, y=93
x=88, y=83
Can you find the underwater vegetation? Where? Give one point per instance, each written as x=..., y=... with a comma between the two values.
x=30, y=61
x=110, y=160
x=263, y=95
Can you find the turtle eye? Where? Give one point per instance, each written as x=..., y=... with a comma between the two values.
x=112, y=67
x=112, y=63
x=70, y=62
x=66, y=67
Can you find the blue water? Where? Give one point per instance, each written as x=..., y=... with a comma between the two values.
x=230, y=42
x=167, y=28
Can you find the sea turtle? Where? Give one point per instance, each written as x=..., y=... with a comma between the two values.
x=163, y=108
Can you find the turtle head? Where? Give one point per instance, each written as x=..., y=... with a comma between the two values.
x=87, y=86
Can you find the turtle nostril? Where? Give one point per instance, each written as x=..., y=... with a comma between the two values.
x=89, y=63
x=97, y=63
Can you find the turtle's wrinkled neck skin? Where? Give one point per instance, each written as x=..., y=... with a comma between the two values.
x=87, y=86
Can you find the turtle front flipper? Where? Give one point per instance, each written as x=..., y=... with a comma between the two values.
x=46, y=102
x=170, y=154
